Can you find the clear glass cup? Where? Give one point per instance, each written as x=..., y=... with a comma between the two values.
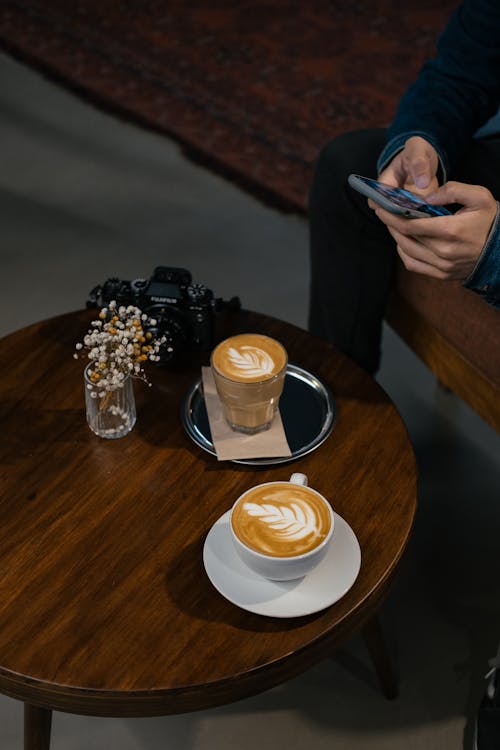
x=249, y=405
x=112, y=415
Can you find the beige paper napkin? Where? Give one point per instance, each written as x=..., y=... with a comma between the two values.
x=228, y=444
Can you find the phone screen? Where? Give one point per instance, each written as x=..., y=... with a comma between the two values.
x=404, y=198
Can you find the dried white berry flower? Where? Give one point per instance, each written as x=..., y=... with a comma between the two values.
x=116, y=347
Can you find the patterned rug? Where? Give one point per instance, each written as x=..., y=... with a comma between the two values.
x=250, y=89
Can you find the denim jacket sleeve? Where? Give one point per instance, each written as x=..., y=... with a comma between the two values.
x=454, y=95
x=485, y=277
x=459, y=90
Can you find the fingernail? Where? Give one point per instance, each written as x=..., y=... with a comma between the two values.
x=421, y=181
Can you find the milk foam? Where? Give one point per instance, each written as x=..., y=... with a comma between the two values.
x=289, y=523
x=249, y=358
x=281, y=519
x=249, y=361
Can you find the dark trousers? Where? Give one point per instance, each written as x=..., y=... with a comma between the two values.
x=352, y=254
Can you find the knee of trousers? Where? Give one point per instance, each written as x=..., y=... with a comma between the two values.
x=355, y=151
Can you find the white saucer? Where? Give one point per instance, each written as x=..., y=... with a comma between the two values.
x=324, y=586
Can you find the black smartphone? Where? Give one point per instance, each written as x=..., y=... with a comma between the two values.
x=395, y=200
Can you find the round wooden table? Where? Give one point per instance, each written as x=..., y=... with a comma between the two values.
x=105, y=606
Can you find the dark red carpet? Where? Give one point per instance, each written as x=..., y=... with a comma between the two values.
x=252, y=89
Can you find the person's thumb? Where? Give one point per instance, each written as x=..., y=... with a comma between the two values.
x=471, y=196
x=420, y=171
x=419, y=162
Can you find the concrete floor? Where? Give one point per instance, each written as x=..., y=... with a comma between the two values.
x=84, y=196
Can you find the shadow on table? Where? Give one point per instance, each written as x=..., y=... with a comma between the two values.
x=188, y=586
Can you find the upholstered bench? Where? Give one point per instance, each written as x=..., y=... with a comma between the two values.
x=455, y=333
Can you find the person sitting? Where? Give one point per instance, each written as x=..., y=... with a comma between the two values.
x=432, y=148
x=429, y=149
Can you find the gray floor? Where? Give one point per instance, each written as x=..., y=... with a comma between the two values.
x=85, y=196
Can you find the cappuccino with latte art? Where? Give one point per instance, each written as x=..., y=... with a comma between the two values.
x=249, y=372
x=282, y=530
x=281, y=519
x=249, y=358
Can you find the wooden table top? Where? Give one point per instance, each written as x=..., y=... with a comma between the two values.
x=105, y=606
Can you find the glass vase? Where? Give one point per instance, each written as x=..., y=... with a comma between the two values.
x=111, y=415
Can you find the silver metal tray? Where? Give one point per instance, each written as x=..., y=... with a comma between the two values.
x=307, y=410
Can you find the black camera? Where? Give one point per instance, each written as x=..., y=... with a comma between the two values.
x=184, y=312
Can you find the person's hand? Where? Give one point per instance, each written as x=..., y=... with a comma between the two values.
x=414, y=168
x=444, y=247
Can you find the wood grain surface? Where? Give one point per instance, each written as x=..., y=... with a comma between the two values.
x=105, y=607
x=453, y=369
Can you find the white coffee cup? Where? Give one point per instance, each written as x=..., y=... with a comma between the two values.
x=282, y=529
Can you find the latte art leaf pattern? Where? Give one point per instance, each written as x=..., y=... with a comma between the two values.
x=291, y=523
x=251, y=361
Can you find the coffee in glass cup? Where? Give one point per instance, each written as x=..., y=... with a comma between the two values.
x=249, y=373
x=282, y=530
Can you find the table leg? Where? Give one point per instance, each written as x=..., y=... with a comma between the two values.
x=37, y=725
x=375, y=643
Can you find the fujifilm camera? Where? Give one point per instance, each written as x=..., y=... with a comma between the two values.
x=184, y=312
